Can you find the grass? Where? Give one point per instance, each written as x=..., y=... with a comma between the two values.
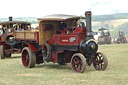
x=12, y=71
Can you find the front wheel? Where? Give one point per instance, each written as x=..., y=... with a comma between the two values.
x=28, y=57
x=78, y=63
x=100, y=61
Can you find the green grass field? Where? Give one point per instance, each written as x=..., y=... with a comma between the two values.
x=12, y=71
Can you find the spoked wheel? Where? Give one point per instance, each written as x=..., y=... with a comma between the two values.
x=47, y=52
x=2, y=56
x=28, y=57
x=78, y=63
x=100, y=62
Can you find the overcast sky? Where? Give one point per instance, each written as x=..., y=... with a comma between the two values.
x=39, y=8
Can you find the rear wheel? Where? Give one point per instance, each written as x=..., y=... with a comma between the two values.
x=2, y=56
x=78, y=63
x=100, y=61
x=28, y=57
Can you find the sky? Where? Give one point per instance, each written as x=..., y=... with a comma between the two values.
x=39, y=8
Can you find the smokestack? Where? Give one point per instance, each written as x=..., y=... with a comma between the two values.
x=10, y=18
x=88, y=24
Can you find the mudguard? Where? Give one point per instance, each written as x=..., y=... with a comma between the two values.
x=33, y=47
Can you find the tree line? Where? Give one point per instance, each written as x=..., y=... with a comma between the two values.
x=110, y=17
x=32, y=20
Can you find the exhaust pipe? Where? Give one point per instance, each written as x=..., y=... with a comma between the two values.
x=10, y=18
x=88, y=46
x=88, y=24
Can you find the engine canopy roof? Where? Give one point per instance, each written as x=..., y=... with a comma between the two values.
x=60, y=17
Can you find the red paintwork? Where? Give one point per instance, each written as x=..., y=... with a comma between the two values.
x=3, y=38
x=125, y=40
x=12, y=51
x=33, y=47
x=25, y=60
x=68, y=56
x=73, y=38
x=54, y=56
x=9, y=34
x=7, y=49
x=5, y=45
x=47, y=27
x=65, y=39
x=2, y=43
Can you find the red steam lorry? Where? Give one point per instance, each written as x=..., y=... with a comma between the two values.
x=74, y=45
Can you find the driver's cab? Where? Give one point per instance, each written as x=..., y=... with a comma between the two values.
x=68, y=27
x=103, y=32
x=72, y=25
x=9, y=27
x=50, y=25
x=6, y=29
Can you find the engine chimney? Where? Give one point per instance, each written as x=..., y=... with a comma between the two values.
x=10, y=18
x=88, y=24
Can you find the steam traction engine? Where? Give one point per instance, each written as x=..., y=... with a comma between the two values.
x=104, y=36
x=8, y=45
x=121, y=38
x=74, y=45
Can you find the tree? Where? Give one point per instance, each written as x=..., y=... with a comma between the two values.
x=124, y=28
x=106, y=26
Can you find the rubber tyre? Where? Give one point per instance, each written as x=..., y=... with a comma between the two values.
x=2, y=52
x=28, y=58
x=78, y=58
